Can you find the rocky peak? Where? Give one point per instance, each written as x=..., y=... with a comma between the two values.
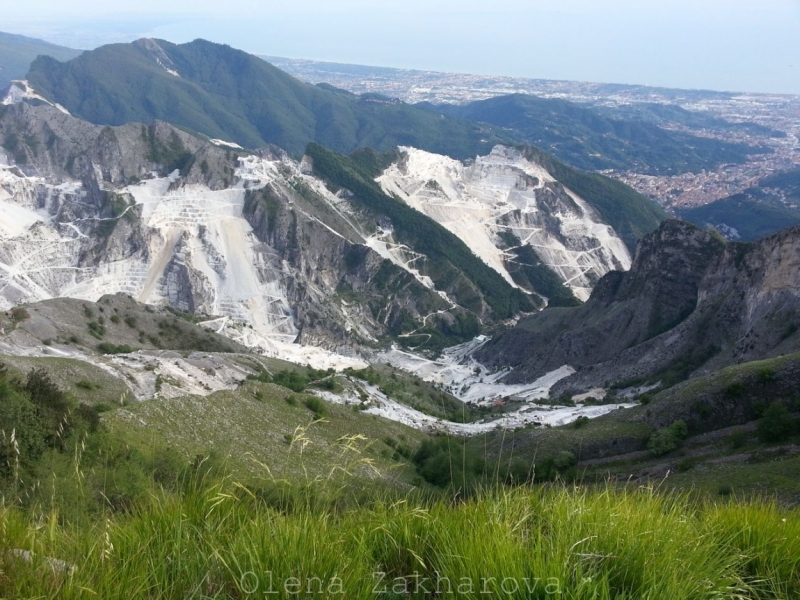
x=665, y=275
x=690, y=303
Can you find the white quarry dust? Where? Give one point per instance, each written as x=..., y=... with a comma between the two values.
x=226, y=144
x=319, y=358
x=151, y=374
x=381, y=405
x=165, y=374
x=196, y=226
x=459, y=374
x=553, y=416
x=494, y=193
x=20, y=90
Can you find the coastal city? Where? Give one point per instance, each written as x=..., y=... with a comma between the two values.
x=778, y=115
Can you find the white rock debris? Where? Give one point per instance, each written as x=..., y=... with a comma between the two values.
x=458, y=373
x=505, y=192
x=226, y=144
x=526, y=414
x=20, y=90
x=192, y=225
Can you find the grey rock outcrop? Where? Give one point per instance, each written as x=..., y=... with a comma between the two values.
x=691, y=303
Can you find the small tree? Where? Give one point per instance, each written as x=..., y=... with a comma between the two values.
x=52, y=405
x=667, y=439
x=776, y=425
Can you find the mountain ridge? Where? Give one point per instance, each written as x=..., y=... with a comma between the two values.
x=17, y=52
x=250, y=238
x=228, y=94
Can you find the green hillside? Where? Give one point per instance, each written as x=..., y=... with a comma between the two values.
x=229, y=94
x=771, y=206
x=591, y=140
x=17, y=52
x=261, y=491
x=752, y=218
x=662, y=114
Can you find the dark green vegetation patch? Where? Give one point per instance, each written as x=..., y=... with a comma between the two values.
x=769, y=207
x=589, y=139
x=229, y=94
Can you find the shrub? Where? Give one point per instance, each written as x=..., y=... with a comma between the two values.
x=315, y=405
x=564, y=400
x=765, y=375
x=96, y=329
x=776, y=425
x=89, y=415
x=108, y=348
x=758, y=407
x=20, y=314
x=737, y=439
x=295, y=381
x=734, y=389
x=580, y=422
x=446, y=462
x=667, y=439
x=20, y=415
x=369, y=375
x=520, y=472
x=564, y=460
x=52, y=405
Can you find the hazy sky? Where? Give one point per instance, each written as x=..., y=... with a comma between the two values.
x=738, y=45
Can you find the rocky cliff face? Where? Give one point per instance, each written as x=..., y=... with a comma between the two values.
x=691, y=303
x=504, y=202
x=168, y=218
x=428, y=256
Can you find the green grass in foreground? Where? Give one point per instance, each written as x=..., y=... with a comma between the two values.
x=90, y=509
x=223, y=541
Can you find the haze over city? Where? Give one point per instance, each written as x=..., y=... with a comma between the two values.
x=735, y=45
